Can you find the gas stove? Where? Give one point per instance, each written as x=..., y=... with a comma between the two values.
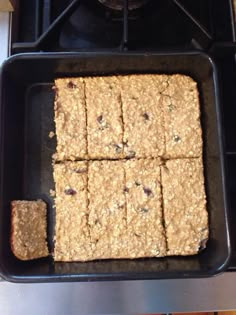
x=117, y=24
x=146, y=26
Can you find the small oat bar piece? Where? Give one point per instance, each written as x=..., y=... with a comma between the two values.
x=181, y=110
x=142, y=115
x=72, y=241
x=70, y=119
x=29, y=229
x=185, y=213
x=107, y=211
x=144, y=209
x=105, y=129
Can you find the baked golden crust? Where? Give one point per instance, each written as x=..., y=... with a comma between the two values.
x=142, y=115
x=181, y=112
x=104, y=126
x=72, y=240
x=184, y=202
x=70, y=119
x=117, y=208
x=144, y=209
x=107, y=209
x=29, y=229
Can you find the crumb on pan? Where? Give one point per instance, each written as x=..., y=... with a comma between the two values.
x=51, y=134
x=52, y=193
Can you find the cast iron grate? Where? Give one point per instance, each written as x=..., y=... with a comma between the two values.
x=77, y=25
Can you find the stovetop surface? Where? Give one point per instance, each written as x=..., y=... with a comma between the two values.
x=88, y=25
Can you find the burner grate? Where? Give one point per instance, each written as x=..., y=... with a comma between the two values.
x=64, y=25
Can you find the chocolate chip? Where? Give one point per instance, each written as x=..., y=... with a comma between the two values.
x=97, y=221
x=70, y=191
x=71, y=85
x=148, y=191
x=126, y=189
x=171, y=107
x=80, y=171
x=146, y=116
x=137, y=183
x=100, y=119
x=102, y=122
x=145, y=210
x=176, y=138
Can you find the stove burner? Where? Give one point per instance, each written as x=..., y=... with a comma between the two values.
x=119, y=4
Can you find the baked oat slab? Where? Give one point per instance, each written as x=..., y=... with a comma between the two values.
x=185, y=214
x=105, y=128
x=144, y=209
x=72, y=238
x=70, y=119
x=107, y=210
x=142, y=115
x=181, y=112
x=29, y=229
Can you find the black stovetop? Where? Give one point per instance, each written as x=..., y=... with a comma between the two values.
x=89, y=25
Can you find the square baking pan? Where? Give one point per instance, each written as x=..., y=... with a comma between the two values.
x=26, y=118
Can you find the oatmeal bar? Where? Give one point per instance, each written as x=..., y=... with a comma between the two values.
x=71, y=201
x=70, y=119
x=29, y=229
x=180, y=103
x=105, y=130
x=142, y=115
x=144, y=209
x=185, y=213
x=107, y=211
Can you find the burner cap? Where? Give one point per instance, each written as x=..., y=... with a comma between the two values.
x=119, y=4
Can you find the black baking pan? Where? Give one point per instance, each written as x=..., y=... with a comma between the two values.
x=26, y=172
